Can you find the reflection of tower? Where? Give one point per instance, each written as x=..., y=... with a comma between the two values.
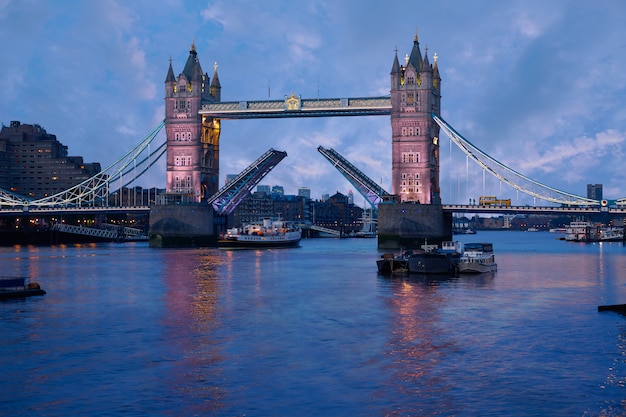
x=192, y=143
x=415, y=94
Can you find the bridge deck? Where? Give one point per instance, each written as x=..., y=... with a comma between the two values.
x=462, y=208
x=452, y=208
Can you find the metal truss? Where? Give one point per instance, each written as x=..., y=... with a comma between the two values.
x=94, y=191
x=371, y=191
x=229, y=196
x=10, y=199
x=511, y=177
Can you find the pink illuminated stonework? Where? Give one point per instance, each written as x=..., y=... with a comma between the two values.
x=192, y=143
x=415, y=95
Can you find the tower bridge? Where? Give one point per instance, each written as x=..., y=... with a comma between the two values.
x=410, y=212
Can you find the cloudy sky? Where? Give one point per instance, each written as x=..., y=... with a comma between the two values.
x=539, y=85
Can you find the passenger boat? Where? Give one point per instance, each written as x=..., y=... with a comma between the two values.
x=582, y=231
x=266, y=234
x=369, y=226
x=18, y=287
x=477, y=258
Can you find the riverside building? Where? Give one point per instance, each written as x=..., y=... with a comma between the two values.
x=33, y=163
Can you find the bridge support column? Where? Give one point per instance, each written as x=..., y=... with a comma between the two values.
x=183, y=225
x=410, y=225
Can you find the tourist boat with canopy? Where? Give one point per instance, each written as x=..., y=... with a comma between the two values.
x=477, y=258
x=265, y=234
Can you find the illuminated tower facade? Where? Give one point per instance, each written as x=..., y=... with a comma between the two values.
x=415, y=95
x=192, y=171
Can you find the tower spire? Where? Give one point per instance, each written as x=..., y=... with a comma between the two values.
x=395, y=68
x=170, y=74
x=415, y=58
x=216, y=87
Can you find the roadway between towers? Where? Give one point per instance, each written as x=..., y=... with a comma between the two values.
x=451, y=208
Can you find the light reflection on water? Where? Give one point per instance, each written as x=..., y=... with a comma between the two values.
x=314, y=331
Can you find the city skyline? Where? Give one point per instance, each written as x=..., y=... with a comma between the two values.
x=538, y=86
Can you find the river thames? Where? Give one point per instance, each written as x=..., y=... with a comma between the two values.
x=129, y=330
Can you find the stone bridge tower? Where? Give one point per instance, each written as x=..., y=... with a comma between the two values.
x=192, y=172
x=415, y=95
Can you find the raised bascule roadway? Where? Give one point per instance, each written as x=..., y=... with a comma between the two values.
x=413, y=104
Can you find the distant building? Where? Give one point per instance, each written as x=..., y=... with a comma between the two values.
x=335, y=212
x=594, y=191
x=264, y=189
x=254, y=207
x=278, y=190
x=350, y=197
x=33, y=163
x=304, y=192
x=230, y=178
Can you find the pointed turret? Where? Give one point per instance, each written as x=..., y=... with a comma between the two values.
x=169, y=78
x=216, y=81
x=396, y=72
x=170, y=81
x=216, y=87
x=436, y=76
x=425, y=63
x=395, y=68
x=415, y=58
x=193, y=70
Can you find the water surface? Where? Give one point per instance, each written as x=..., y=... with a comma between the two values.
x=130, y=330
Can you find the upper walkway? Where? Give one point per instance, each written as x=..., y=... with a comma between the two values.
x=293, y=106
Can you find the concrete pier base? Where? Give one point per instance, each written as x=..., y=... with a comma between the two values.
x=410, y=225
x=182, y=225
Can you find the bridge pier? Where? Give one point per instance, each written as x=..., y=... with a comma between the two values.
x=182, y=225
x=410, y=225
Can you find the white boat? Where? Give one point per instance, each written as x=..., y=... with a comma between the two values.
x=578, y=231
x=477, y=258
x=266, y=234
x=369, y=225
x=581, y=231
